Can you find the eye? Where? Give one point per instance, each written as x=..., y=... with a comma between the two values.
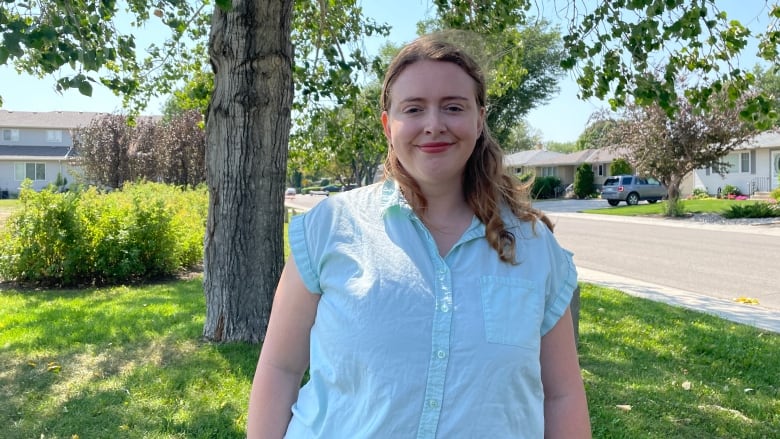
x=411, y=110
x=452, y=108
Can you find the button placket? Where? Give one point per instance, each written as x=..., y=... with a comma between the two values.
x=440, y=346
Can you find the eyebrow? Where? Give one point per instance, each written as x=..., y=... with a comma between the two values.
x=445, y=98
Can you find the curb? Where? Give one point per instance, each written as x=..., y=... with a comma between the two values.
x=753, y=315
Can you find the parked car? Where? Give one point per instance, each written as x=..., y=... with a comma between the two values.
x=289, y=192
x=632, y=189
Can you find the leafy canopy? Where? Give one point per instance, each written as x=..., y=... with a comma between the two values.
x=634, y=50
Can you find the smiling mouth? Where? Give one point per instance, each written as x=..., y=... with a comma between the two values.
x=434, y=147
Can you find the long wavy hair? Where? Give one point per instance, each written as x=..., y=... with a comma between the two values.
x=486, y=183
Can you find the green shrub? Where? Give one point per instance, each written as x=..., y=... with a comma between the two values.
x=544, y=187
x=755, y=210
x=775, y=194
x=674, y=208
x=41, y=239
x=583, y=181
x=700, y=194
x=730, y=190
x=143, y=231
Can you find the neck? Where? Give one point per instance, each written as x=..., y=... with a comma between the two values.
x=445, y=206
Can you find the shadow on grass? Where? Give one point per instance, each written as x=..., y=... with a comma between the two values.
x=121, y=363
x=682, y=373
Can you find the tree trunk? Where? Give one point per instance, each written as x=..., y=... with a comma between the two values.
x=247, y=132
x=673, y=206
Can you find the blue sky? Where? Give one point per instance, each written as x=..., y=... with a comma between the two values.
x=560, y=120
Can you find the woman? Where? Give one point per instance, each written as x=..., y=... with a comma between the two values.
x=433, y=305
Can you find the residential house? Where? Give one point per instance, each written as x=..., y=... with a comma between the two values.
x=754, y=166
x=564, y=166
x=38, y=146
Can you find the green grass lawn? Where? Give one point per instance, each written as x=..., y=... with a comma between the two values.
x=128, y=362
x=708, y=205
x=6, y=207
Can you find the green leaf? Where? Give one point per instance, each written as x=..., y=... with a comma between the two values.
x=225, y=5
x=85, y=88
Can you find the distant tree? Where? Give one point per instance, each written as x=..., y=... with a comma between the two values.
x=768, y=83
x=522, y=137
x=345, y=142
x=144, y=152
x=670, y=148
x=102, y=150
x=194, y=95
x=182, y=149
x=110, y=151
x=595, y=135
x=583, y=181
x=620, y=166
x=562, y=147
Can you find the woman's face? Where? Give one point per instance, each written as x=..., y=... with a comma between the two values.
x=434, y=121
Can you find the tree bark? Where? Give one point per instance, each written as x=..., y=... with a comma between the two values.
x=247, y=133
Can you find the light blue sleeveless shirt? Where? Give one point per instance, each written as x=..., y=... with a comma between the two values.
x=407, y=344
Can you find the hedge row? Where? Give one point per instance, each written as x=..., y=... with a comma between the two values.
x=143, y=231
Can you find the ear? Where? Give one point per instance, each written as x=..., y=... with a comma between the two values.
x=386, y=125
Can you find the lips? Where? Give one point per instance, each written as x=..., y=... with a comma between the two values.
x=434, y=147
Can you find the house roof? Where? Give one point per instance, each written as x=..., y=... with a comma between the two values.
x=35, y=152
x=549, y=158
x=573, y=158
x=766, y=139
x=526, y=158
x=46, y=119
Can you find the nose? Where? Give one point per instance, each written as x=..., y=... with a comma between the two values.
x=434, y=123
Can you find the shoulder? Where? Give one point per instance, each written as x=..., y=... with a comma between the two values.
x=365, y=196
x=359, y=203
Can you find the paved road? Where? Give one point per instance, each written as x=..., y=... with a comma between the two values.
x=724, y=262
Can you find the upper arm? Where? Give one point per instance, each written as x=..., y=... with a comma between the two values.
x=560, y=366
x=286, y=344
x=565, y=405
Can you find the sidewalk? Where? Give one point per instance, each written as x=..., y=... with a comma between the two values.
x=753, y=315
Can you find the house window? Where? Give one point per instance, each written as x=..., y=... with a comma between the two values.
x=548, y=171
x=54, y=136
x=601, y=170
x=729, y=164
x=744, y=162
x=11, y=135
x=33, y=171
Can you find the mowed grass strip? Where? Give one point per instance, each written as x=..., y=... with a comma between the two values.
x=128, y=362
x=706, y=205
x=654, y=371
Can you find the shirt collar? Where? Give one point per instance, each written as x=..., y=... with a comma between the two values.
x=392, y=197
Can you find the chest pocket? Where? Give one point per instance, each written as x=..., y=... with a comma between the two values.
x=513, y=311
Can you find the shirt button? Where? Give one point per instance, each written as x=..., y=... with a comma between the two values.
x=441, y=354
x=445, y=308
x=433, y=403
